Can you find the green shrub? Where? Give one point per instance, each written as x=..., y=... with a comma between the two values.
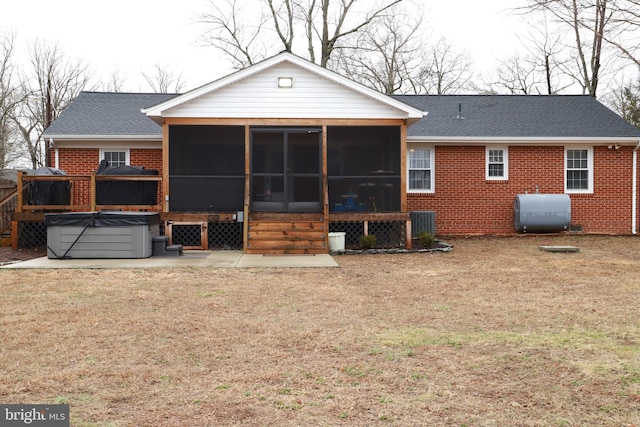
x=425, y=239
x=368, y=242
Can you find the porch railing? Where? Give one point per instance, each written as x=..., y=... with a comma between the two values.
x=7, y=207
x=77, y=193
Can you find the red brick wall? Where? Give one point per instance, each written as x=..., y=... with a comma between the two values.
x=150, y=159
x=608, y=210
x=81, y=161
x=466, y=203
x=78, y=161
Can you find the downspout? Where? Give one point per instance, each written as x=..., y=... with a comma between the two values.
x=634, y=191
x=56, y=159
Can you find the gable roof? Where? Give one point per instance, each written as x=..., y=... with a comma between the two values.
x=329, y=77
x=107, y=115
x=516, y=116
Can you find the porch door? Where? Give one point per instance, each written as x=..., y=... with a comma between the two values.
x=286, y=170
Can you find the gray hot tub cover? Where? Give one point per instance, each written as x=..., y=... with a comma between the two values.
x=101, y=219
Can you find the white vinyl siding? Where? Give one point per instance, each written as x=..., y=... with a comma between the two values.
x=578, y=170
x=420, y=169
x=311, y=96
x=497, y=163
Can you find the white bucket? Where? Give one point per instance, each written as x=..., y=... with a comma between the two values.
x=336, y=241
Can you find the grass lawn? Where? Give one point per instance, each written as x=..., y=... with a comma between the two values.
x=495, y=333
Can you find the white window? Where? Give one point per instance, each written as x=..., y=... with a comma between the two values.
x=497, y=161
x=420, y=170
x=578, y=170
x=115, y=157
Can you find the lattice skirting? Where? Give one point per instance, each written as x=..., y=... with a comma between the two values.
x=388, y=233
x=216, y=235
x=225, y=235
x=228, y=235
x=32, y=235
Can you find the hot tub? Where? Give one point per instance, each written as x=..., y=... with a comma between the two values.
x=101, y=234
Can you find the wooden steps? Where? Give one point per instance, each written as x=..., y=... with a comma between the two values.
x=286, y=234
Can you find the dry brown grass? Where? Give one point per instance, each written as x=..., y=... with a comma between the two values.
x=495, y=333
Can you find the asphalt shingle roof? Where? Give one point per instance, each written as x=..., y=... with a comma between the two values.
x=555, y=116
x=516, y=116
x=108, y=113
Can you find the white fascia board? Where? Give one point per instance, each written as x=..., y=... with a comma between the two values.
x=413, y=114
x=108, y=144
x=104, y=137
x=530, y=140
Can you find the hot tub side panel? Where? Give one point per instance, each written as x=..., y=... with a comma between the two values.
x=101, y=242
x=101, y=235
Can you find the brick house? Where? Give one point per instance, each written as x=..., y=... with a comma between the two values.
x=284, y=152
x=536, y=140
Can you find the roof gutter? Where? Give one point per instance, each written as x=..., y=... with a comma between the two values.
x=634, y=192
x=520, y=140
x=150, y=137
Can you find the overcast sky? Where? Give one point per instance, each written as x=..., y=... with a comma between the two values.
x=133, y=35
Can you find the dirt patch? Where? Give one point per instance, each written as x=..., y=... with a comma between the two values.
x=8, y=255
x=494, y=333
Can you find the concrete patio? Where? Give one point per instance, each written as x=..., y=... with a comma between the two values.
x=209, y=259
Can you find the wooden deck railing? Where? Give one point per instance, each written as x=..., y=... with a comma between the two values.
x=79, y=195
x=7, y=207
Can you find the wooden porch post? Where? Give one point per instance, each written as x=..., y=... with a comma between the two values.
x=93, y=190
x=165, y=167
x=403, y=167
x=403, y=180
x=19, y=189
x=15, y=225
x=247, y=187
x=325, y=188
x=14, y=235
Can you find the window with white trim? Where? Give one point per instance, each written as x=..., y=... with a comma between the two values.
x=578, y=170
x=115, y=157
x=420, y=170
x=497, y=161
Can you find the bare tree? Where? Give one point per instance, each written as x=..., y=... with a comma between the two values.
x=445, y=70
x=386, y=57
x=51, y=84
x=626, y=29
x=588, y=21
x=233, y=30
x=333, y=25
x=283, y=16
x=163, y=80
x=547, y=54
x=11, y=96
x=542, y=69
x=325, y=24
x=114, y=83
x=627, y=102
x=517, y=76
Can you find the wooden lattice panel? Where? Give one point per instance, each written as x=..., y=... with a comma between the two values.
x=189, y=234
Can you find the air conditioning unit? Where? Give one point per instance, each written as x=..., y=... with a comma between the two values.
x=423, y=221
